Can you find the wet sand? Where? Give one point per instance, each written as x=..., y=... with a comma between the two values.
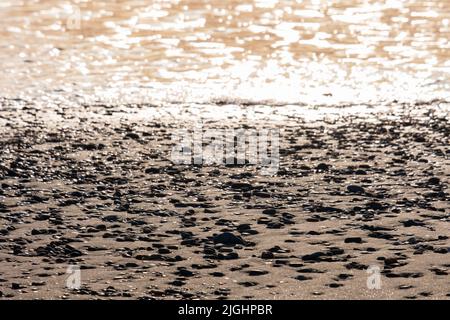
x=94, y=186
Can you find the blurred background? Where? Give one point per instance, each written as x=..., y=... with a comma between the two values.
x=209, y=51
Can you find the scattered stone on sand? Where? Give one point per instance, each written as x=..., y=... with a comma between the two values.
x=84, y=188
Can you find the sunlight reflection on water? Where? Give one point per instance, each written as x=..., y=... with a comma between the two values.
x=207, y=51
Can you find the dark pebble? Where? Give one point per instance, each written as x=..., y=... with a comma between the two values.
x=355, y=189
x=228, y=238
x=353, y=240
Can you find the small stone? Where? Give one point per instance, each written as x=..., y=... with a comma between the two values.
x=228, y=238
x=257, y=272
x=248, y=283
x=16, y=286
x=355, y=189
x=434, y=181
x=217, y=274
x=270, y=212
x=164, y=251
x=302, y=277
x=316, y=256
x=185, y=273
x=132, y=135
x=111, y=218
x=243, y=227
x=375, y=205
x=323, y=167
x=267, y=255
x=177, y=283
x=405, y=287
x=353, y=240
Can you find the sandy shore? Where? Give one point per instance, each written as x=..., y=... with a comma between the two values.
x=94, y=187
